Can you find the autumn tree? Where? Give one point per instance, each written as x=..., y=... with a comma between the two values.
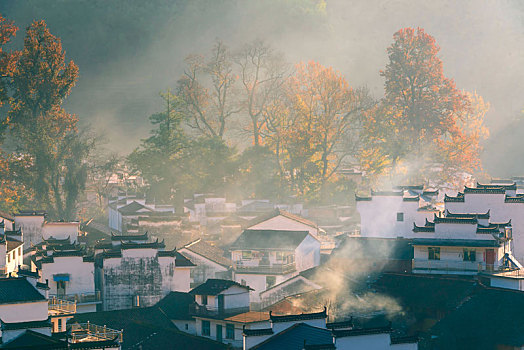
x=460, y=149
x=206, y=90
x=261, y=72
x=11, y=192
x=420, y=102
x=44, y=131
x=319, y=127
x=424, y=122
x=7, y=31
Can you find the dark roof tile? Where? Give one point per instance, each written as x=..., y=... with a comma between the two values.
x=24, y=325
x=35, y=340
x=257, y=332
x=468, y=328
x=18, y=290
x=208, y=251
x=300, y=317
x=177, y=305
x=215, y=286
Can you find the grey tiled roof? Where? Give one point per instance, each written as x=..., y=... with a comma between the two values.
x=16, y=290
x=208, y=251
x=214, y=286
x=34, y=340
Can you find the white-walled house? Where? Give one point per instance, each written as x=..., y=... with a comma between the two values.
x=282, y=220
x=279, y=219
x=61, y=230
x=264, y=258
x=459, y=244
x=282, y=328
x=501, y=200
x=126, y=208
x=11, y=253
x=210, y=261
x=391, y=214
x=223, y=311
x=310, y=331
x=218, y=296
x=71, y=276
x=28, y=319
x=31, y=222
x=208, y=209
x=68, y=270
x=377, y=338
x=139, y=273
x=7, y=221
x=35, y=228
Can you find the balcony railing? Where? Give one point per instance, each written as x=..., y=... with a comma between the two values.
x=451, y=266
x=60, y=307
x=80, y=298
x=84, y=332
x=277, y=269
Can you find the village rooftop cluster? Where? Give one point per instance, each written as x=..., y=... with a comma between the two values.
x=267, y=276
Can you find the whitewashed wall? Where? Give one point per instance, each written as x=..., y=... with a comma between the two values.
x=499, y=212
x=307, y=254
x=61, y=230
x=368, y=342
x=81, y=274
x=378, y=217
x=24, y=312
x=31, y=227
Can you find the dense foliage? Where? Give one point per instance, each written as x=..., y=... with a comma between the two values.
x=240, y=121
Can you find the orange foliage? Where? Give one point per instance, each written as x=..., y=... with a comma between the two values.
x=423, y=115
x=310, y=130
x=461, y=149
x=7, y=30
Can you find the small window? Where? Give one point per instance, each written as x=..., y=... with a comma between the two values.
x=400, y=216
x=8, y=257
x=247, y=255
x=470, y=254
x=279, y=256
x=206, y=328
x=61, y=288
x=270, y=281
x=434, y=253
x=19, y=250
x=59, y=327
x=230, y=331
x=187, y=326
x=243, y=282
x=204, y=299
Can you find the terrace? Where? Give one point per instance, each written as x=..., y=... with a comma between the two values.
x=60, y=307
x=88, y=332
